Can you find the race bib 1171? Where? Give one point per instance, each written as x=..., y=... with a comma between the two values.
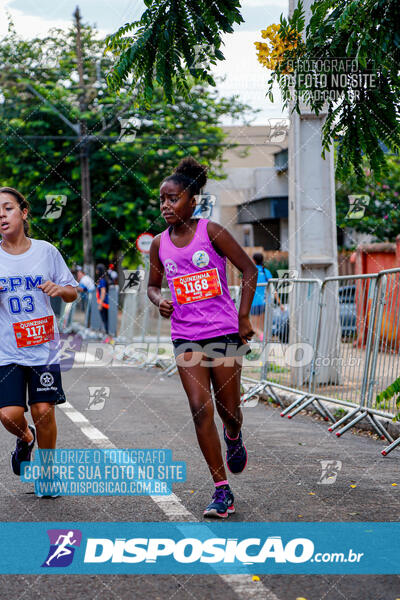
x=34, y=332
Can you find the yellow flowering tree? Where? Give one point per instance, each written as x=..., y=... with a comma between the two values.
x=283, y=48
x=283, y=43
x=344, y=64
x=172, y=37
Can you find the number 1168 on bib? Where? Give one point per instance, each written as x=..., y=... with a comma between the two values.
x=197, y=286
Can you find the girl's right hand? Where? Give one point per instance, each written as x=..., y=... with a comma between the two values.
x=246, y=330
x=166, y=308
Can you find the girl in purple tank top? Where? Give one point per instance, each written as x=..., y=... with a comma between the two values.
x=208, y=334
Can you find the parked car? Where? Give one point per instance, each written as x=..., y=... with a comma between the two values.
x=347, y=311
x=280, y=323
x=347, y=316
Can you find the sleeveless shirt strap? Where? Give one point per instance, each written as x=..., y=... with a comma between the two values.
x=162, y=241
x=204, y=235
x=201, y=230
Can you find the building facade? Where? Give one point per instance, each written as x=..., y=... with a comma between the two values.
x=252, y=202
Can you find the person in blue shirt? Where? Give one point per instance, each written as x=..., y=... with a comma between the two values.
x=258, y=306
x=102, y=285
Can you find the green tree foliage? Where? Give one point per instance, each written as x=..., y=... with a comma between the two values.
x=383, y=399
x=156, y=48
x=169, y=35
x=381, y=216
x=360, y=40
x=39, y=152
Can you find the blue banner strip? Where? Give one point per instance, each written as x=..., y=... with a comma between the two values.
x=199, y=548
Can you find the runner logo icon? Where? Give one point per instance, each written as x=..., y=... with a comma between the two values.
x=46, y=379
x=133, y=279
x=330, y=471
x=63, y=543
x=97, y=397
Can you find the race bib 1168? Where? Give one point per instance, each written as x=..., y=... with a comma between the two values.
x=197, y=286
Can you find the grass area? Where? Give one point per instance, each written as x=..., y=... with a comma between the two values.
x=277, y=369
x=339, y=413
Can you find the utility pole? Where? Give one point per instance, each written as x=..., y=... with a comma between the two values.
x=312, y=223
x=87, y=237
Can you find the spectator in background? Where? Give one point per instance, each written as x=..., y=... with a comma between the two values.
x=257, y=311
x=102, y=285
x=86, y=285
x=113, y=275
x=258, y=306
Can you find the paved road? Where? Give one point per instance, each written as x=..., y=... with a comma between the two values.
x=280, y=483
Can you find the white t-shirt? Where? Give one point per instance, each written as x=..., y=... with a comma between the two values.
x=22, y=300
x=113, y=275
x=87, y=282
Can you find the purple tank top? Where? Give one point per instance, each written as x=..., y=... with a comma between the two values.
x=206, y=318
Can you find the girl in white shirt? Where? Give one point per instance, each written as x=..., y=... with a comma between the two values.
x=31, y=272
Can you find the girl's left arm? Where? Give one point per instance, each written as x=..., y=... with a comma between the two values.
x=223, y=242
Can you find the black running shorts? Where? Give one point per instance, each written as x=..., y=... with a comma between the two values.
x=216, y=347
x=43, y=383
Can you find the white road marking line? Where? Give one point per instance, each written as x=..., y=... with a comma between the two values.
x=76, y=418
x=172, y=507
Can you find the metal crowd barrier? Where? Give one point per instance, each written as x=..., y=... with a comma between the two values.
x=340, y=372
x=349, y=326
x=287, y=350
x=294, y=344
x=350, y=388
x=92, y=317
x=66, y=315
x=376, y=344
x=342, y=352
x=383, y=394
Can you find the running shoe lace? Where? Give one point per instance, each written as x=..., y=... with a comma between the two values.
x=235, y=446
x=220, y=494
x=21, y=447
